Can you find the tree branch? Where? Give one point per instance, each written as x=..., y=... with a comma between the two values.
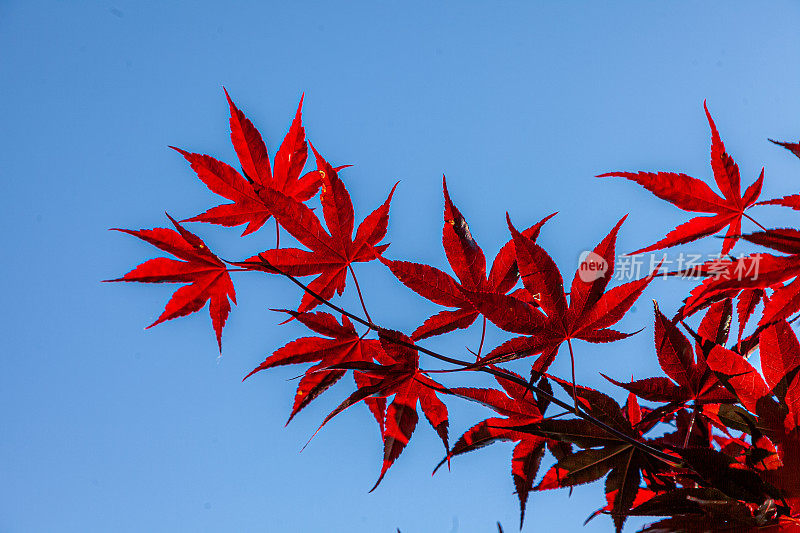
x=658, y=454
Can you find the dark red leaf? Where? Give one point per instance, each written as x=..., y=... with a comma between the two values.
x=519, y=409
x=786, y=240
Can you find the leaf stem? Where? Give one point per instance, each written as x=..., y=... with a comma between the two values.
x=483, y=337
x=572, y=363
x=360, y=296
x=277, y=234
x=751, y=219
x=691, y=427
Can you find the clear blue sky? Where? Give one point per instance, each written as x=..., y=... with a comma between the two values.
x=107, y=427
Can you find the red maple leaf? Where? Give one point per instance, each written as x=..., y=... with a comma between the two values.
x=691, y=194
x=332, y=254
x=519, y=408
x=747, y=299
x=757, y=271
x=746, y=304
x=588, y=315
x=469, y=264
x=780, y=365
x=690, y=378
x=399, y=376
x=792, y=147
x=741, y=377
x=248, y=193
x=340, y=344
x=774, y=397
x=206, y=274
x=792, y=200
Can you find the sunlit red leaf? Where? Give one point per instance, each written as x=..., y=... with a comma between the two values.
x=331, y=254
x=340, y=344
x=587, y=316
x=518, y=407
x=691, y=194
x=250, y=204
x=469, y=264
x=205, y=273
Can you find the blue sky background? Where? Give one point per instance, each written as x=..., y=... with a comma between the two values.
x=106, y=427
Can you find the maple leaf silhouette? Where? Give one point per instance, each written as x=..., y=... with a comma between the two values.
x=331, y=254
x=601, y=455
x=692, y=194
x=341, y=344
x=519, y=408
x=469, y=264
x=206, y=274
x=248, y=192
x=709, y=509
x=588, y=315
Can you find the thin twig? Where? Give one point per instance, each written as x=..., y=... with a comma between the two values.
x=497, y=372
x=557, y=415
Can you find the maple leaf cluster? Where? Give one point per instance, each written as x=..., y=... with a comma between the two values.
x=715, y=446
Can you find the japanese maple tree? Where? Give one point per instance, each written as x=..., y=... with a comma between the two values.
x=713, y=444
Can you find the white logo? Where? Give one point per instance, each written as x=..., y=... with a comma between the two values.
x=591, y=267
